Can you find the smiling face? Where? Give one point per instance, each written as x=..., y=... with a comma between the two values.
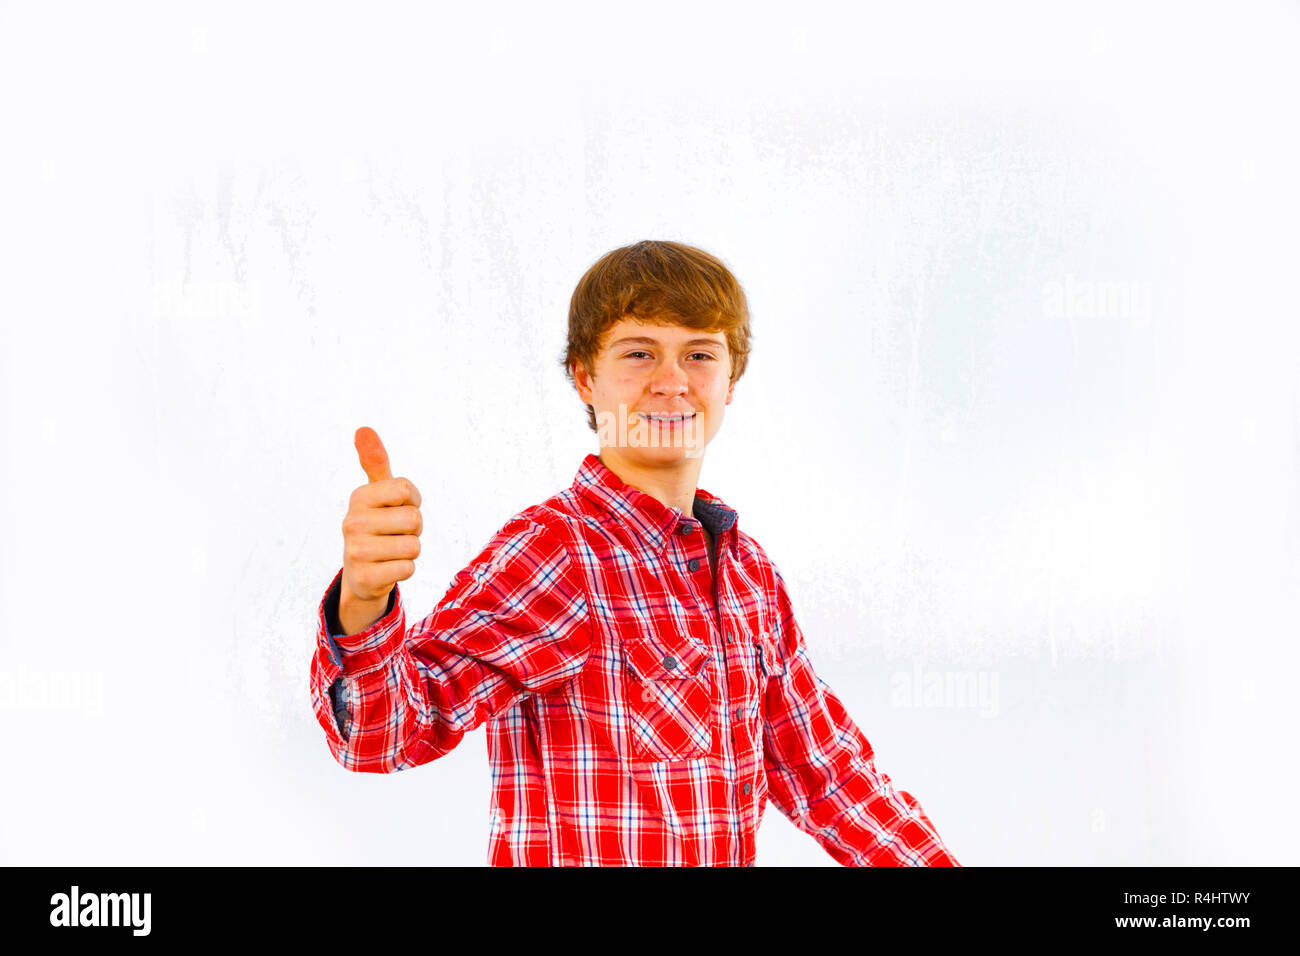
x=658, y=391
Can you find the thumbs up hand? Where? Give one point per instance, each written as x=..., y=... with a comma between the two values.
x=381, y=536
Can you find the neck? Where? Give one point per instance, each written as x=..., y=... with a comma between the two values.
x=672, y=484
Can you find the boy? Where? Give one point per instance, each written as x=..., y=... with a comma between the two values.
x=634, y=654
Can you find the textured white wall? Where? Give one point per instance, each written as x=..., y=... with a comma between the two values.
x=1023, y=410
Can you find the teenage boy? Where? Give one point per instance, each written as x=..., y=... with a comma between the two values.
x=634, y=654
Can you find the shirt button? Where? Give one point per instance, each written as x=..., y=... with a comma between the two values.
x=670, y=662
x=683, y=529
x=740, y=713
x=746, y=788
x=694, y=564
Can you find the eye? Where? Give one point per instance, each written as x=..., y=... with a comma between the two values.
x=707, y=356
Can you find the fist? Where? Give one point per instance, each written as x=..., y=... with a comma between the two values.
x=381, y=533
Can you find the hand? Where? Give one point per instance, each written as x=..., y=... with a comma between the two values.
x=381, y=533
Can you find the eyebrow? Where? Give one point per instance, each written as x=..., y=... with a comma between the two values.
x=645, y=340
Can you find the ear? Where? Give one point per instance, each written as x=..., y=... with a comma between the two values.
x=582, y=381
x=731, y=390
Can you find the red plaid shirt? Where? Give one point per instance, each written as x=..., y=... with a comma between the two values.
x=640, y=710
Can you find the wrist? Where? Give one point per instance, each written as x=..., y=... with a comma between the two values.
x=356, y=614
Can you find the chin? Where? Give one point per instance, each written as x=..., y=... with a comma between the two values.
x=664, y=455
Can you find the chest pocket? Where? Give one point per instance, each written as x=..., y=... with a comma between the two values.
x=668, y=692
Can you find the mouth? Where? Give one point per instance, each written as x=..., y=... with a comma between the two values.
x=677, y=418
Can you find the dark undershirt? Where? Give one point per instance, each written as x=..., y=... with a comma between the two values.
x=713, y=560
x=712, y=523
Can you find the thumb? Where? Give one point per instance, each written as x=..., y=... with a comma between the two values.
x=374, y=459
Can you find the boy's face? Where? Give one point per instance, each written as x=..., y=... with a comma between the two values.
x=644, y=371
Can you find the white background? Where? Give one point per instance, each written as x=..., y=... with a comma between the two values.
x=1022, y=409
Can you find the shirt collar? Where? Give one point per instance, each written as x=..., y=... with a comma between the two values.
x=649, y=517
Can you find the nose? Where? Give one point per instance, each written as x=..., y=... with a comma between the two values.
x=669, y=379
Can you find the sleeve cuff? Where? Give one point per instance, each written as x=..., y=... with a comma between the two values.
x=356, y=654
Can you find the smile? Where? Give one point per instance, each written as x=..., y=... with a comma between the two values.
x=666, y=419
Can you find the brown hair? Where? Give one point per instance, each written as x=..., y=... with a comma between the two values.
x=667, y=283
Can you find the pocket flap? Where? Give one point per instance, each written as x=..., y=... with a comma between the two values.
x=657, y=660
